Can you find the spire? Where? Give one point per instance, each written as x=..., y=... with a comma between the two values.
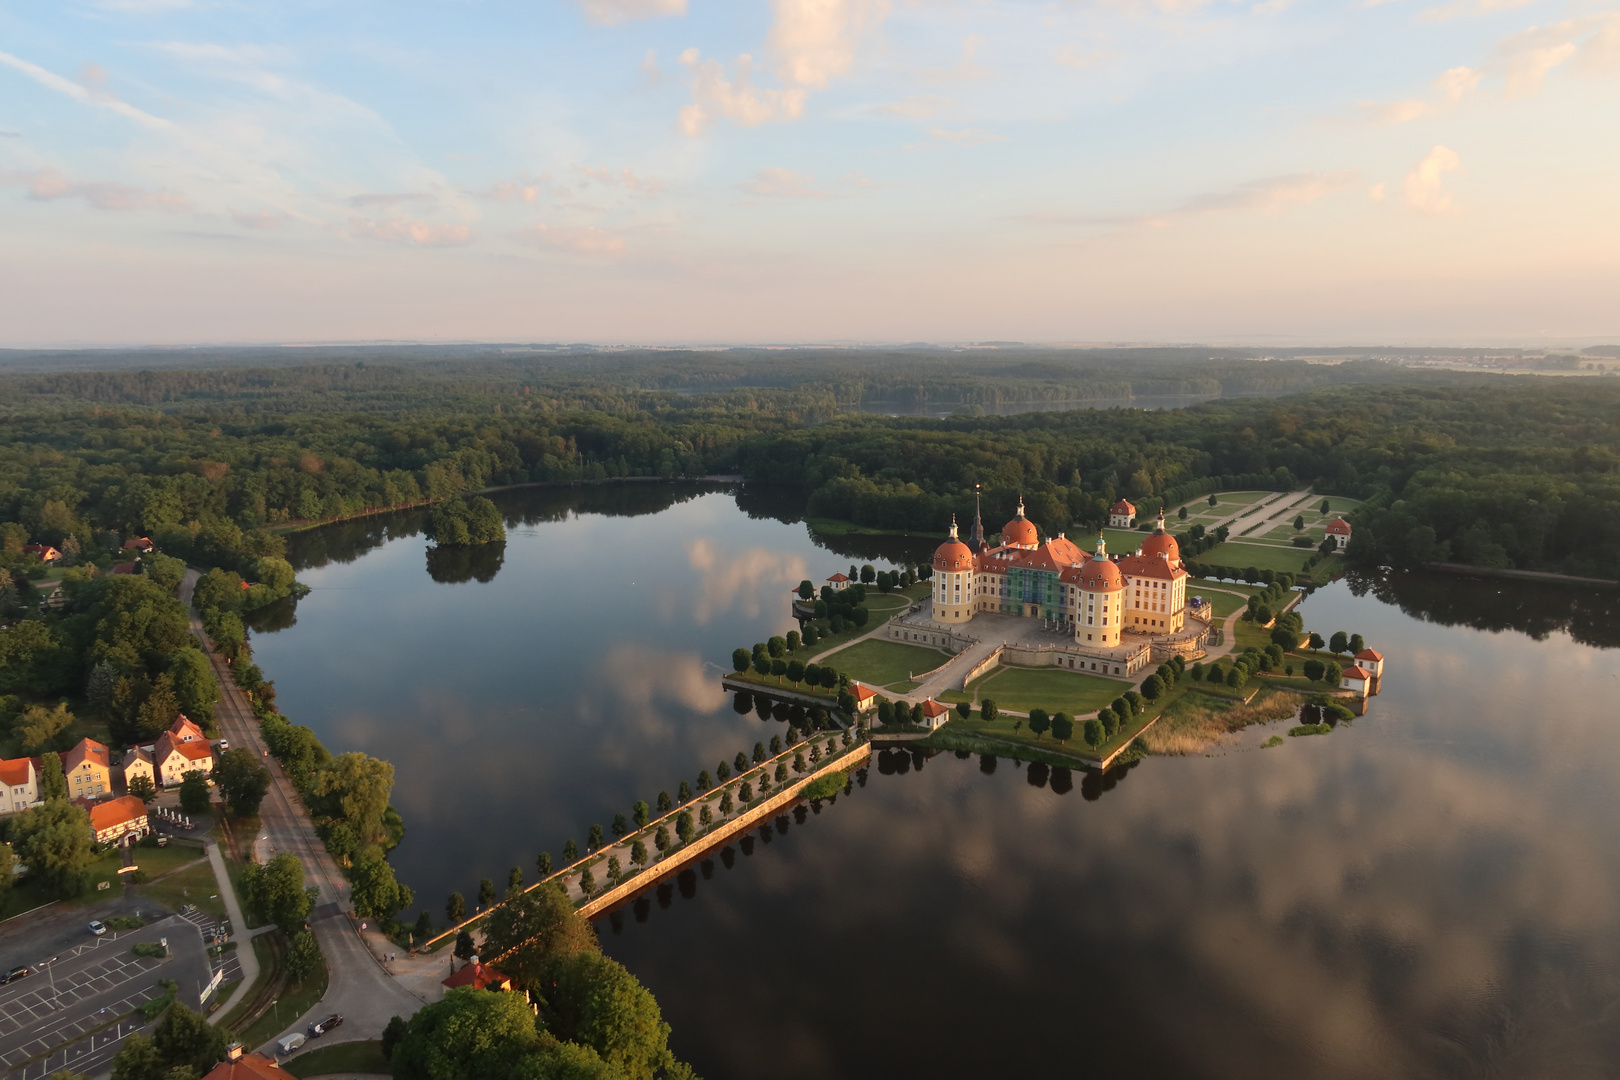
x=1102, y=547
x=976, y=535
x=1159, y=526
x=953, y=526
x=1020, y=505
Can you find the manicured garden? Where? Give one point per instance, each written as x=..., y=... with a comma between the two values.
x=1238, y=554
x=881, y=662
x=1021, y=689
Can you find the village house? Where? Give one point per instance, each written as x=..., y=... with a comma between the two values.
x=1122, y=515
x=137, y=761
x=19, y=785
x=112, y=820
x=46, y=553
x=140, y=543
x=1358, y=680
x=182, y=749
x=865, y=697
x=88, y=769
x=839, y=581
x=935, y=714
x=479, y=977
x=1371, y=661
x=240, y=1066
x=1338, y=530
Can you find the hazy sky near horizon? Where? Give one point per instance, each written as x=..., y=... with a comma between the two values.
x=1400, y=171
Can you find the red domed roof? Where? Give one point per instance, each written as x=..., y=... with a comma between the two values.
x=1101, y=575
x=1162, y=544
x=953, y=555
x=1020, y=531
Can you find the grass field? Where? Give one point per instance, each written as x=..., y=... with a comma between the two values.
x=363, y=1056
x=883, y=662
x=1022, y=689
x=194, y=884
x=1234, y=553
x=1224, y=602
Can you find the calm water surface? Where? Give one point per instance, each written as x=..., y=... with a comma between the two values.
x=1433, y=891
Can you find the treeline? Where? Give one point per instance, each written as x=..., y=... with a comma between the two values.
x=1512, y=472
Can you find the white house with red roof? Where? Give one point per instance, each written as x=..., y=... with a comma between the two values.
x=1338, y=530
x=19, y=785
x=865, y=697
x=182, y=749
x=1122, y=515
x=935, y=714
x=46, y=553
x=839, y=581
x=1373, y=662
x=1358, y=680
x=112, y=820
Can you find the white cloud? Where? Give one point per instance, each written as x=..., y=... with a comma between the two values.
x=814, y=40
x=1461, y=8
x=507, y=191
x=1525, y=58
x=1376, y=192
x=918, y=106
x=641, y=185
x=81, y=92
x=1425, y=184
x=738, y=100
x=1456, y=82
x=966, y=68
x=582, y=240
x=48, y=185
x=398, y=230
x=264, y=219
x=1271, y=195
x=613, y=12
x=1451, y=86
x=774, y=183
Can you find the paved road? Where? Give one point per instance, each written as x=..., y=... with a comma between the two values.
x=358, y=986
x=63, y=1010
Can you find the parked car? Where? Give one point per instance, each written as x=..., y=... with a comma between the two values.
x=288, y=1043
x=16, y=973
x=224, y=744
x=317, y=1030
x=97, y=928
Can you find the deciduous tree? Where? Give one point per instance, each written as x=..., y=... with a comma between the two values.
x=242, y=781
x=455, y=908
x=276, y=891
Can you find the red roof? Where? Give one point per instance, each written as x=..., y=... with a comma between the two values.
x=1101, y=575
x=1339, y=527
x=1357, y=672
x=953, y=555
x=87, y=749
x=1021, y=531
x=140, y=543
x=1149, y=566
x=932, y=708
x=1370, y=654
x=479, y=977
x=863, y=693
x=112, y=813
x=185, y=728
x=839, y=577
x=1122, y=507
x=14, y=772
x=194, y=751
x=247, y=1067
x=124, y=568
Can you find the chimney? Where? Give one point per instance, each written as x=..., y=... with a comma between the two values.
x=233, y=1052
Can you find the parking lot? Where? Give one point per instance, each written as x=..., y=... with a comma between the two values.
x=76, y=1003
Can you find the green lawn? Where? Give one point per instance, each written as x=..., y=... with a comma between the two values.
x=1237, y=554
x=350, y=1057
x=295, y=999
x=1022, y=689
x=194, y=884
x=882, y=662
x=1223, y=498
x=1224, y=603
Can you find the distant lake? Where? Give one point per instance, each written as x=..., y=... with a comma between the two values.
x=1433, y=891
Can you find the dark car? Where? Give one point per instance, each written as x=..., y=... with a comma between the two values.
x=321, y=1028
x=16, y=973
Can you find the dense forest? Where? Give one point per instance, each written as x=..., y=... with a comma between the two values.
x=1490, y=470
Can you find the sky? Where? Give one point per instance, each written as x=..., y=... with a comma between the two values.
x=779, y=171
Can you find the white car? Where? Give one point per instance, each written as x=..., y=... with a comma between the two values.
x=97, y=928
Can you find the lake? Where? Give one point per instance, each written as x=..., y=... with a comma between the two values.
x=1430, y=891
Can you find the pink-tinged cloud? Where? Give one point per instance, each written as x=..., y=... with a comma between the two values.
x=48, y=185
x=1425, y=184
x=406, y=231
x=641, y=185
x=582, y=240
x=736, y=99
x=773, y=183
x=264, y=219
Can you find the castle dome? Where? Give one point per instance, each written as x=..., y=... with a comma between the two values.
x=1020, y=531
x=1101, y=575
x=1161, y=544
x=953, y=555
